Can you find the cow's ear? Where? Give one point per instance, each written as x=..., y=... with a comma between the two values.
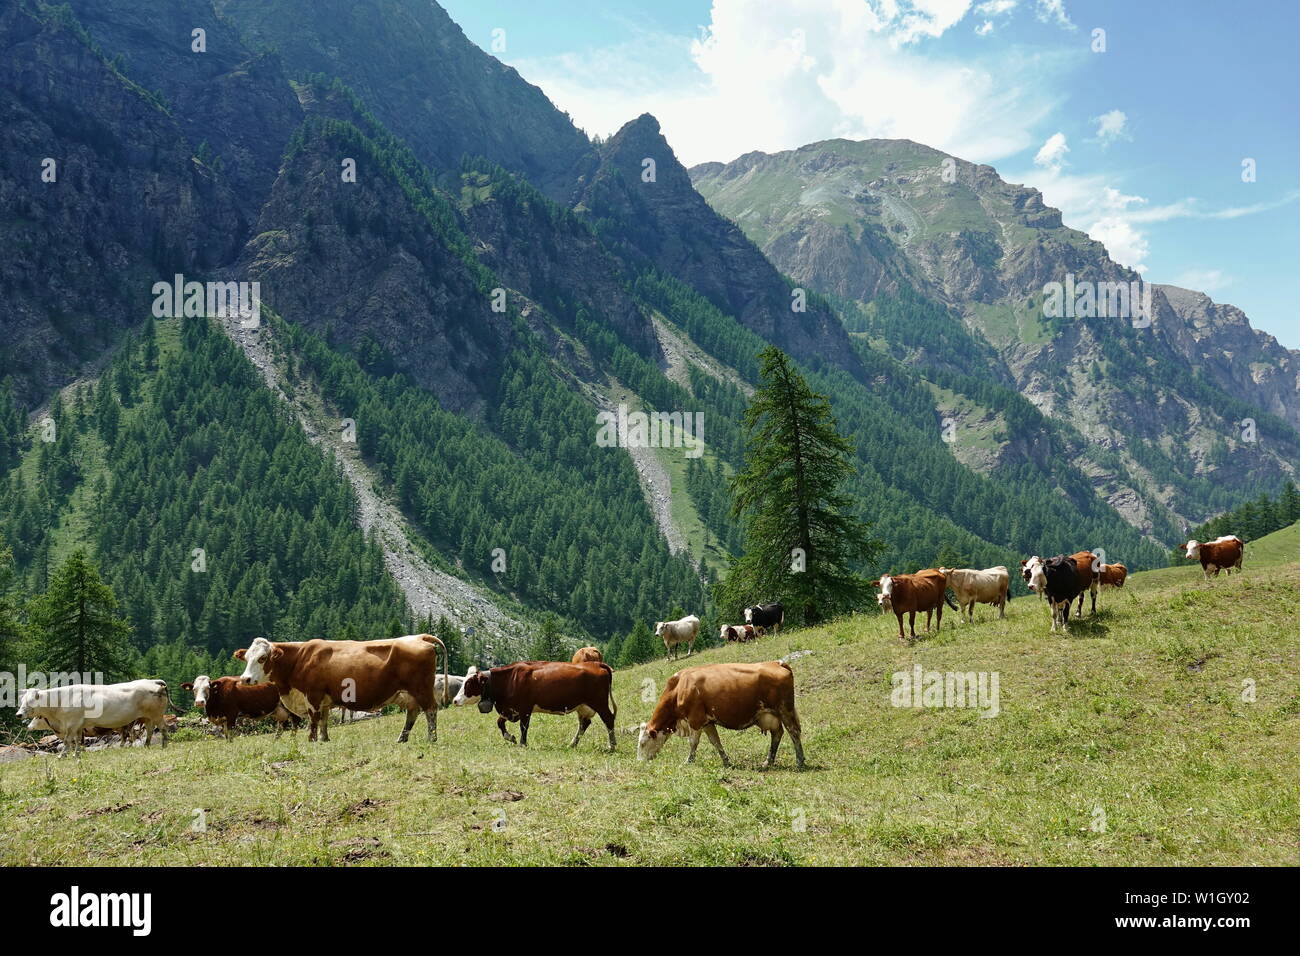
x=239, y=654
x=276, y=654
x=874, y=584
x=187, y=686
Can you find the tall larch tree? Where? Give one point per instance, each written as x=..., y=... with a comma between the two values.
x=801, y=542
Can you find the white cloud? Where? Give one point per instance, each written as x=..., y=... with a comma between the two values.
x=1111, y=126
x=995, y=8
x=778, y=76
x=1051, y=155
x=984, y=29
x=1053, y=11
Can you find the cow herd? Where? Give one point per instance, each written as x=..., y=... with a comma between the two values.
x=1058, y=580
x=292, y=681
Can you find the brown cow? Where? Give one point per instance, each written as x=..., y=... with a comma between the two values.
x=585, y=655
x=225, y=700
x=1221, y=554
x=519, y=690
x=358, y=675
x=735, y=696
x=908, y=593
x=1113, y=575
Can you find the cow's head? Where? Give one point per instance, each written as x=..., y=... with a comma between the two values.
x=476, y=689
x=31, y=697
x=886, y=596
x=1036, y=575
x=945, y=571
x=1027, y=570
x=749, y=615
x=202, y=684
x=1193, y=549
x=659, y=628
x=39, y=723
x=259, y=661
x=650, y=742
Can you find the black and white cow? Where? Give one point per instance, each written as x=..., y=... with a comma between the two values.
x=770, y=616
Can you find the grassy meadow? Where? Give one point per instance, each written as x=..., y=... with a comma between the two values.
x=1133, y=741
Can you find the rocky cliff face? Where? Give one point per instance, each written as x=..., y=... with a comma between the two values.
x=124, y=203
x=1161, y=402
x=362, y=264
x=420, y=76
x=1244, y=361
x=641, y=200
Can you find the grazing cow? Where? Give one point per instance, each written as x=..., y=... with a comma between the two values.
x=908, y=593
x=1221, y=554
x=979, y=587
x=1087, y=566
x=584, y=655
x=1113, y=575
x=1059, y=581
x=225, y=700
x=735, y=696
x=684, y=631
x=519, y=690
x=766, y=615
x=740, y=632
x=71, y=709
x=358, y=675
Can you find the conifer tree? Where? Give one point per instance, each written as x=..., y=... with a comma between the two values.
x=75, y=624
x=801, y=542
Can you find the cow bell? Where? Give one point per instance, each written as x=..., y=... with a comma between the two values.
x=485, y=706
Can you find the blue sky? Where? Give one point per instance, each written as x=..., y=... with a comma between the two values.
x=1140, y=145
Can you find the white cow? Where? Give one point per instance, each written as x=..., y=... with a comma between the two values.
x=979, y=587
x=449, y=691
x=673, y=633
x=70, y=710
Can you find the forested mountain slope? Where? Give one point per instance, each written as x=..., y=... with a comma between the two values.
x=484, y=285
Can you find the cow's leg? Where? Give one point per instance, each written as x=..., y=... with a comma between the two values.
x=609, y=728
x=790, y=720
x=411, y=713
x=911, y=623
x=938, y=618
x=431, y=718
x=523, y=729
x=1093, y=591
x=695, y=742
x=712, y=731
x=230, y=730
x=584, y=721
x=776, y=742
x=501, y=726
x=901, y=636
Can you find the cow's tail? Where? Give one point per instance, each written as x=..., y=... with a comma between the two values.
x=165, y=693
x=948, y=599
x=446, y=663
x=613, y=707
